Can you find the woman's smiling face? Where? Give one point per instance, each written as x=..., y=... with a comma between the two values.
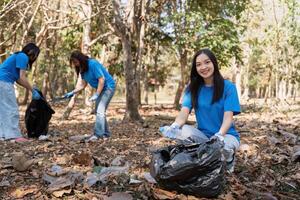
x=205, y=67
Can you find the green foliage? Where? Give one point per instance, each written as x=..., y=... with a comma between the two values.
x=209, y=24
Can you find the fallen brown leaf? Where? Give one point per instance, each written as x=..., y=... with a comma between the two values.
x=60, y=193
x=21, y=192
x=20, y=162
x=163, y=194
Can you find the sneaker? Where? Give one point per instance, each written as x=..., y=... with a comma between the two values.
x=21, y=139
x=92, y=138
x=43, y=137
x=230, y=165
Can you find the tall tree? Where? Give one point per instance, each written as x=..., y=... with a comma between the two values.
x=126, y=28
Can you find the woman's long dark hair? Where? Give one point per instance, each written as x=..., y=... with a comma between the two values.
x=83, y=60
x=32, y=51
x=197, y=81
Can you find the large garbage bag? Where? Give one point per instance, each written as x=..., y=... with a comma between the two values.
x=37, y=117
x=196, y=169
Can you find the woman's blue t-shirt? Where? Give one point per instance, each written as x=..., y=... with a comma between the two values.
x=10, y=68
x=94, y=72
x=210, y=116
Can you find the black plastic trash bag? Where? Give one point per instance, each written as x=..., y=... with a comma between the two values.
x=197, y=169
x=37, y=117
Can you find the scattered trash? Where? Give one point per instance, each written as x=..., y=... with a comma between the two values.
x=134, y=180
x=56, y=170
x=61, y=182
x=149, y=178
x=104, y=174
x=91, y=179
x=118, y=161
x=77, y=138
x=97, y=169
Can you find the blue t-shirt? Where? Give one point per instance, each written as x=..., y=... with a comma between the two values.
x=10, y=68
x=94, y=72
x=210, y=116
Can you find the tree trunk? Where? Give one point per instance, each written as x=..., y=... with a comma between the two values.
x=156, y=72
x=132, y=102
x=146, y=86
x=2, y=49
x=140, y=23
x=124, y=29
x=238, y=79
x=183, y=82
x=246, y=83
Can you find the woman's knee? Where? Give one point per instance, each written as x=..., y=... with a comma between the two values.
x=231, y=142
x=187, y=131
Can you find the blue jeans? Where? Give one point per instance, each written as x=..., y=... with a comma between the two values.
x=101, y=126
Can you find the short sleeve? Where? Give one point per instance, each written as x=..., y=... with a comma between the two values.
x=187, y=100
x=231, y=102
x=97, y=69
x=21, y=61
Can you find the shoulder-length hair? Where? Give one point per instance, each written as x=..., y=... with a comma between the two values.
x=196, y=81
x=83, y=61
x=32, y=51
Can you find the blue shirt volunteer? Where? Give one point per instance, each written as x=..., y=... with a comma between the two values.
x=210, y=116
x=10, y=68
x=95, y=71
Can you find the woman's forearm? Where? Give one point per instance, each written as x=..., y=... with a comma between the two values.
x=227, y=121
x=80, y=85
x=182, y=116
x=100, y=85
x=23, y=81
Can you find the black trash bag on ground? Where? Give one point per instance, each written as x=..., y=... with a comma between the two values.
x=37, y=117
x=197, y=169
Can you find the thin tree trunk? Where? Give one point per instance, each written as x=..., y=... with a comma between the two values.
x=238, y=80
x=156, y=72
x=132, y=103
x=146, y=86
x=124, y=29
x=183, y=82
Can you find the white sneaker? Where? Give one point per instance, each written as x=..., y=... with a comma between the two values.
x=43, y=137
x=230, y=165
x=92, y=138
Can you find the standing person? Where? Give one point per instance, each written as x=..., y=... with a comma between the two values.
x=12, y=70
x=91, y=71
x=215, y=102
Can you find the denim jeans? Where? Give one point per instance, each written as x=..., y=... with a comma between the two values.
x=101, y=126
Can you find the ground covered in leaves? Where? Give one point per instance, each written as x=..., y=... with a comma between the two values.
x=268, y=162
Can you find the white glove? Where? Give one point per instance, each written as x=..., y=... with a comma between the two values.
x=175, y=125
x=94, y=97
x=220, y=136
x=170, y=131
